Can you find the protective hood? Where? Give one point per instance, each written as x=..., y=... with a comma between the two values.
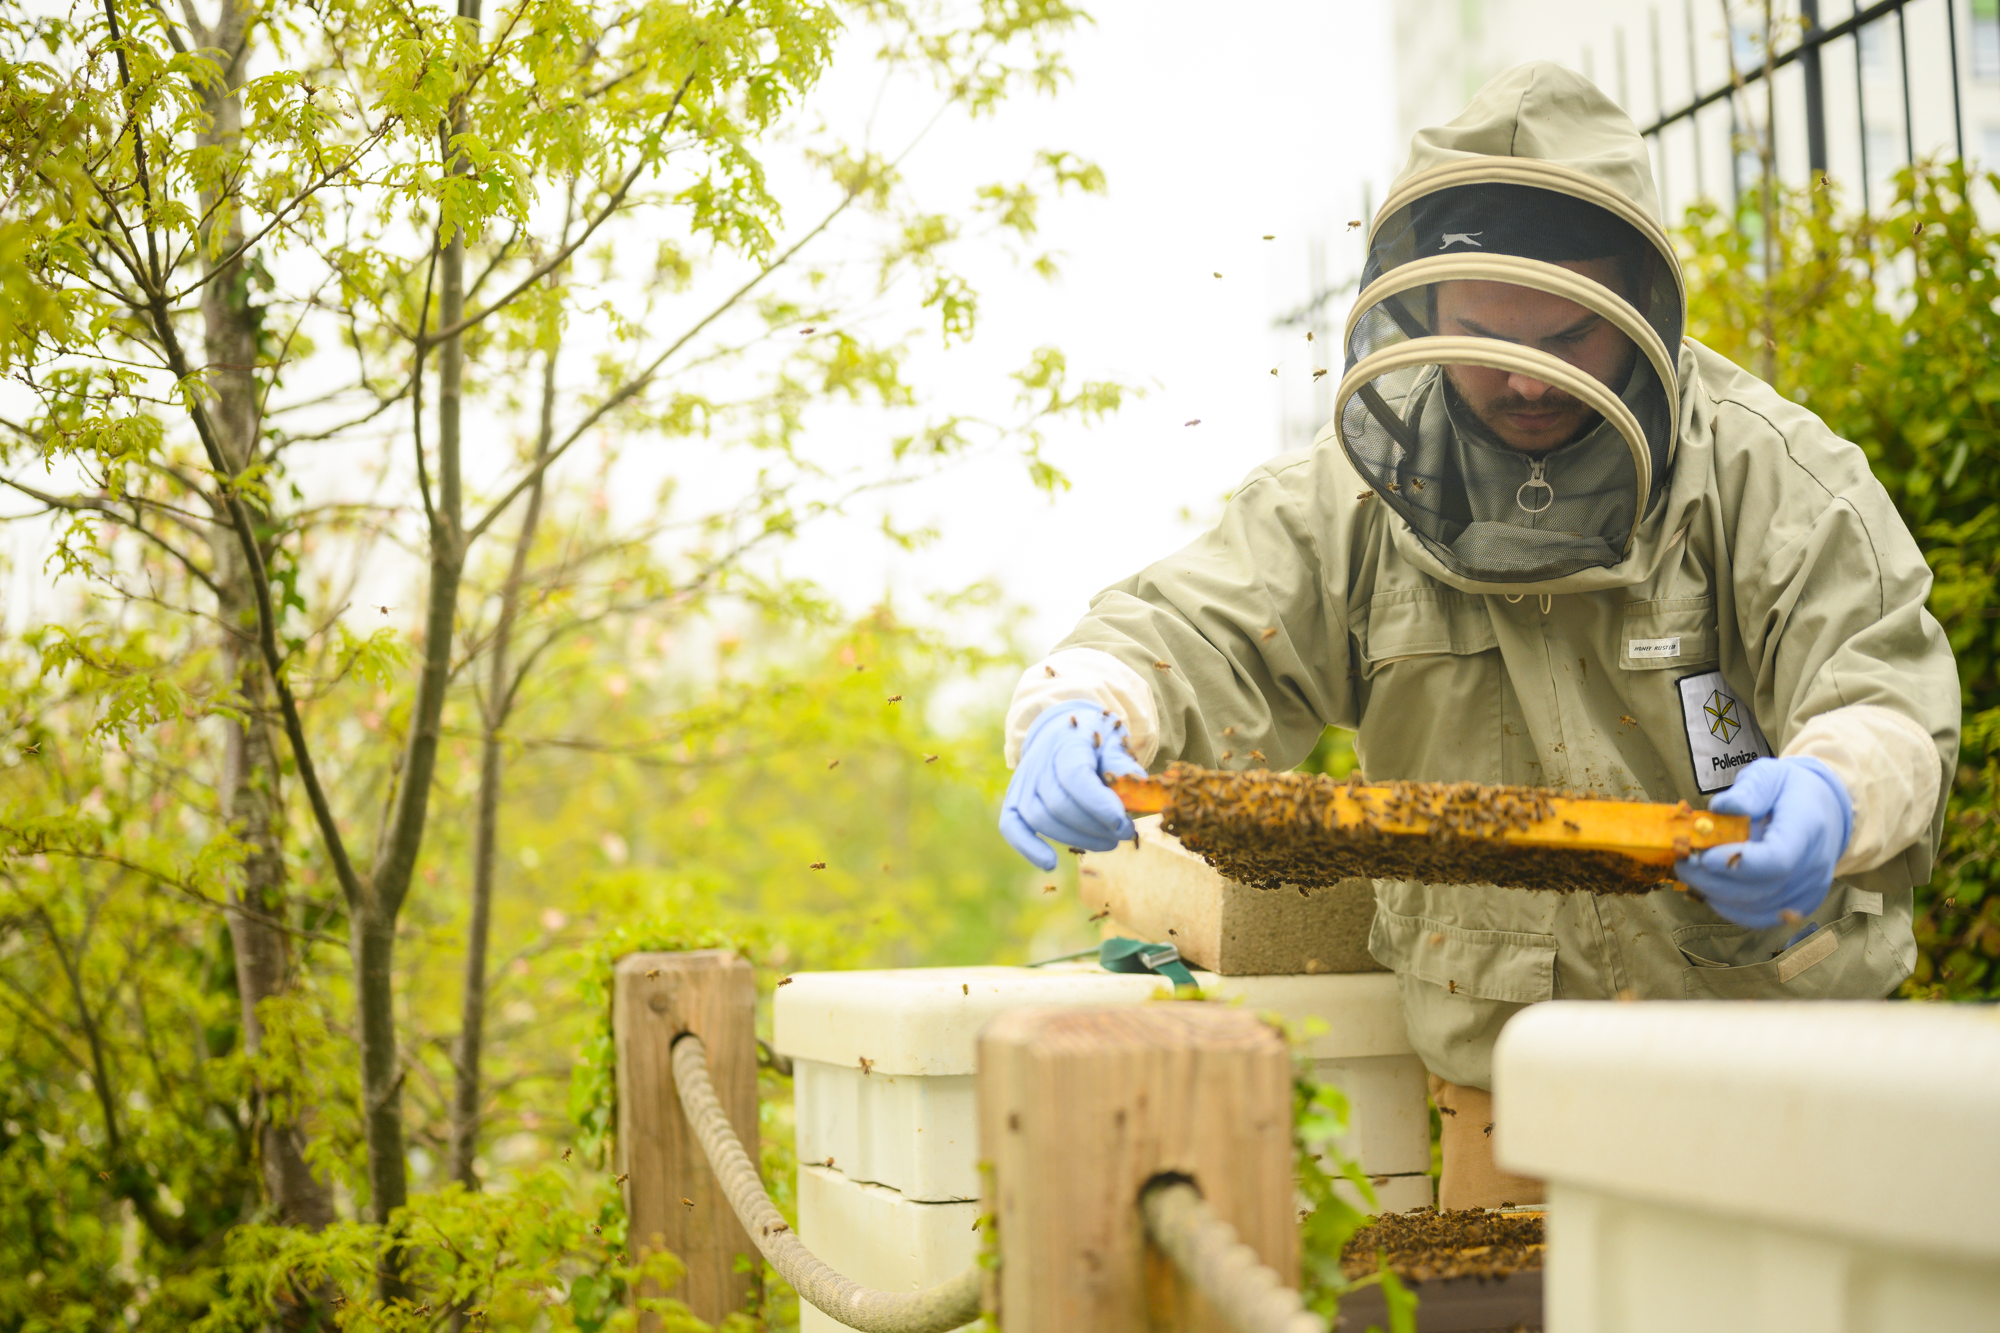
x=1511, y=386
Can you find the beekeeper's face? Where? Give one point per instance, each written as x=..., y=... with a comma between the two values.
x=1526, y=413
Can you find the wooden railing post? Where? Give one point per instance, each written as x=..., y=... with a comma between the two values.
x=1080, y=1108
x=671, y=1195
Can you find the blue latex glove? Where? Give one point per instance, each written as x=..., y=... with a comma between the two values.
x=1800, y=819
x=1058, y=789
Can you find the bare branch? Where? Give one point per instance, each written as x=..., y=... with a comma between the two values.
x=95, y=504
x=638, y=383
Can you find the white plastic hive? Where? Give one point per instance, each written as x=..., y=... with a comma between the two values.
x=884, y=1067
x=1776, y=1168
x=880, y=1239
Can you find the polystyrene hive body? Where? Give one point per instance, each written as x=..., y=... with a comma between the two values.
x=884, y=1068
x=1824, y=1167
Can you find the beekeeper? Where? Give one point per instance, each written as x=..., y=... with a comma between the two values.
x=1546, y=539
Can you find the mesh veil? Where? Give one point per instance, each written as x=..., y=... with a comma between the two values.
x=1509, y=386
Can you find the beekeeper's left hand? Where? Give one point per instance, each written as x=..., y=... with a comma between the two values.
x=1800, y=819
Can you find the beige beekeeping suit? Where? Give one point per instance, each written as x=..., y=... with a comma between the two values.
x=1763, y=597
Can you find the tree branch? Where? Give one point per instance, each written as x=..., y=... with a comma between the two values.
x=93, y=504
x=562, y=254
x=638, y=383
x=351, y=884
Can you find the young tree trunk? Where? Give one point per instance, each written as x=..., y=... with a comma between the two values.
x=500, y=688
x=250, y=794
x=381, y=900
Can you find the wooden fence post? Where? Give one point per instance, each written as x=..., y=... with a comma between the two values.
x=672, y=1198
x=1080, y=1108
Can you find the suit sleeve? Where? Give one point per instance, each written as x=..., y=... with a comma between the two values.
x=1829, y=590
x=1241, y=636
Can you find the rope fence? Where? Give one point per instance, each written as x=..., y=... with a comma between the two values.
x=945, y=1306
x=1061, y=1163
x=1249, y=1296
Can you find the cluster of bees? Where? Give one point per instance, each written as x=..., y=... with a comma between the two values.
x=1421, y=1244
x=1306, y=831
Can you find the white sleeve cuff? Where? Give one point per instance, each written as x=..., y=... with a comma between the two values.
x=1088, y=674
x=1891, y=769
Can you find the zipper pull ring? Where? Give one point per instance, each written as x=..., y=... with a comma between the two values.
x=1536, y=469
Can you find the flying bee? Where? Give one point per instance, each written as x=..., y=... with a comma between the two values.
x=1365, y=496
x=1048, y=888
x=1229, y=731
x=964, y=988
x=833, y=763
x=1628, y=719
x=784, y=981
x=1274, y=370
x=1318, y=374
x=1099, y=916
x=930, y=759
x=565, y=1155
x=1048, y=671
x=1270, y=238
x=1270, y=633
x=653, y=973
x=895, y=698
x=1163, y=666
x=1392, y=487
x=1416, y=483
x=867, y=1065
x=1352, y=225
x=804, y=331
x=1195, y=422
x=688, y=1202
x=1218, y=275
x=1258, y=755
x=620, y=1180
x=817, y=865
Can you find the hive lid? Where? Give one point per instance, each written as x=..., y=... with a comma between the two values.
x=926, y=1021
x=1872, y=1120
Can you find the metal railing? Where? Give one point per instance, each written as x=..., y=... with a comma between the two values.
x=1814, y=37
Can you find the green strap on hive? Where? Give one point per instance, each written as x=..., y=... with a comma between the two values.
x=1123, y=955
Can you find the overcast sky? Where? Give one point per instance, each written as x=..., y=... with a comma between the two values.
x=1217, y=126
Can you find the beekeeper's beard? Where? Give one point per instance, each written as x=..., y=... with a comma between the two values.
x=1501, y=413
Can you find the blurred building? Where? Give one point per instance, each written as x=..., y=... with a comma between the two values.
x=1887, y=95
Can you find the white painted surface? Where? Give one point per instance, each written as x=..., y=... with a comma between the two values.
x=879, y=1238
x=913, y=1134
x=1784, y=1168
x=925, y=1020
x=1389, y=1120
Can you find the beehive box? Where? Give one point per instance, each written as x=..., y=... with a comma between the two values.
x=884, y=1067
x=1768, y=1168
x=1159, y=890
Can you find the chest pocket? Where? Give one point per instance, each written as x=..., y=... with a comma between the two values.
x=1677, y=633
x=1422, y=622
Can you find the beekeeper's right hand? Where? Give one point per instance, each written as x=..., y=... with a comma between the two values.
x=1058, y=790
